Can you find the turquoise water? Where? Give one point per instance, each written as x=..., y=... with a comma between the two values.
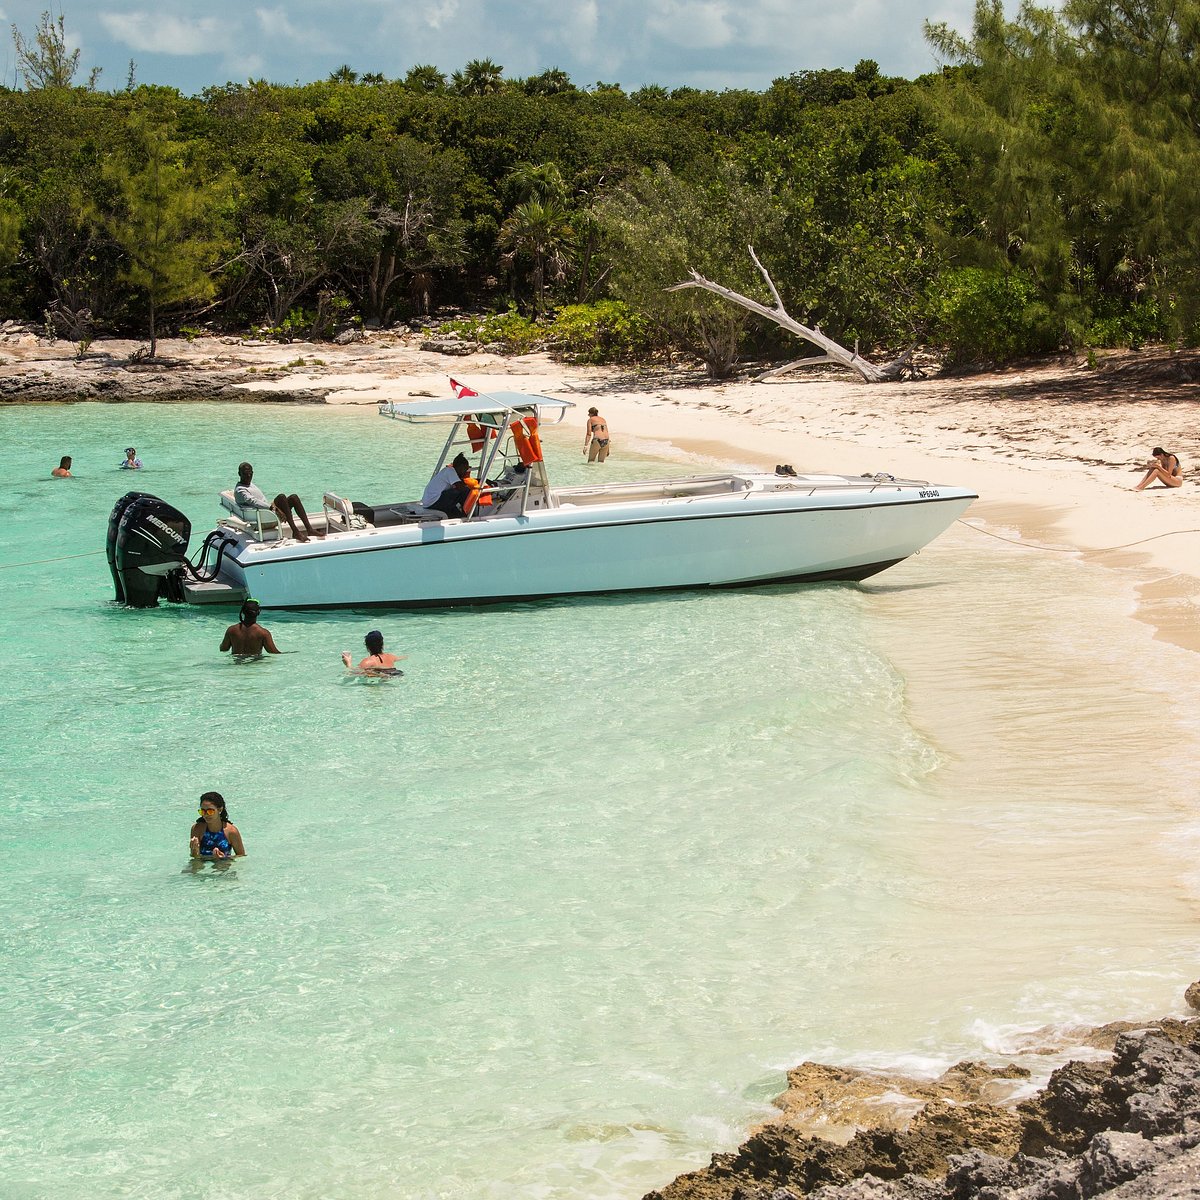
x=547, y=916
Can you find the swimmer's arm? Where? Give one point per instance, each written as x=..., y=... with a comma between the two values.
x=235, y=840
x=227, y=644
x=269, y=643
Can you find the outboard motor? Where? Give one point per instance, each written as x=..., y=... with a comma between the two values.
x=114, y=523
x=149, y=549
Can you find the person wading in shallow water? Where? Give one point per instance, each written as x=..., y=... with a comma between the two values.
x=214, y=835
x=63, y=470
x=377, y=662
x=596, y=432
x=248, y=639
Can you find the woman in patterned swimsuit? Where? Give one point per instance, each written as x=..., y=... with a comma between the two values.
x=214, y=835
x=597, y=435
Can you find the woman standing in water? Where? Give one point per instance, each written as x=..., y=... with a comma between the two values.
x=214, y=835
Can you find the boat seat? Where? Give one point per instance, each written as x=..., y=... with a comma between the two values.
x=403, y=514
x=340, y=516
x=261, y=522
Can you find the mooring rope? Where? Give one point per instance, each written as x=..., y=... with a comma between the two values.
x=1073, y=549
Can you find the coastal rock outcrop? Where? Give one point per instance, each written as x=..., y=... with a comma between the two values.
x=1126, y=1128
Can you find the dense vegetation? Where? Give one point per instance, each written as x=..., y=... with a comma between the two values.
x=1035, y=195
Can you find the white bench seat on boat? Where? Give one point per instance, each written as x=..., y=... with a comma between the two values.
x=260, y=522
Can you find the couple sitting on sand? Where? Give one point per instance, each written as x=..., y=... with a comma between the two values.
x=1162, y=468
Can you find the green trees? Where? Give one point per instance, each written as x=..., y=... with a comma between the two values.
x=45, y=61
x=1080, y=145
x=538, y=232
x=164, y=219
x=664, y=225
x=480, y=77
x=1037, y=194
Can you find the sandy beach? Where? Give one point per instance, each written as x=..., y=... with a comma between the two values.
x=1054, y=449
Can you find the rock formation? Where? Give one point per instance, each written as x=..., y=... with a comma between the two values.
x=1125, y=1129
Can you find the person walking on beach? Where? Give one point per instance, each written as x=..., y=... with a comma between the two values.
x=132, y=462
x=378, y=661
x=214, y=835
x=1163, y=468
x=596, y=433
x=249, y=495
x=63, y=470
x=248, y=639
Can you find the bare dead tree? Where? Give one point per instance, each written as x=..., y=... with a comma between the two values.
x=834, y=352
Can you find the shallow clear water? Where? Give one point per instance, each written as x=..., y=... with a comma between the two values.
x=547, y=916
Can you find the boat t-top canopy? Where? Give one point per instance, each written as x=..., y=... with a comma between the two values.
x=548, y=409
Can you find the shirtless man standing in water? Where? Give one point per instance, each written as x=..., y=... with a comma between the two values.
x=597, y=435
x=248, y=639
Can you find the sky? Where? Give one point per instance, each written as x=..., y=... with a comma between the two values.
x=712, y=44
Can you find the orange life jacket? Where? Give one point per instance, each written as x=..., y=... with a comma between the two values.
x=478, y=435
x=525, y=438
x=473, y=496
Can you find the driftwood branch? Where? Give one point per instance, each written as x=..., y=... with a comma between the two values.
x=834, y=352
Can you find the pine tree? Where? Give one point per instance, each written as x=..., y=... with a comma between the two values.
x=164, y=220
x=1080, y=137
x=45, y=62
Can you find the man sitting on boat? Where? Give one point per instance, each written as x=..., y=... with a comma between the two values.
x=447, y=477
x=249, y=495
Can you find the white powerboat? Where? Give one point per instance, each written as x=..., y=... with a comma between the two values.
x=518, y=538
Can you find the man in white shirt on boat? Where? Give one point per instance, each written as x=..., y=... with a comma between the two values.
x=249, y=495
x=447, y=477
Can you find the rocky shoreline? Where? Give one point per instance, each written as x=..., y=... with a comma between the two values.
x=1127, y=1128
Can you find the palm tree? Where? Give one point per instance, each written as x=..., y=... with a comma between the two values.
x=553, y=82
x=344, y=74
x=541, y=233
x=425, y=78
x=535, y=181
x=480, y=77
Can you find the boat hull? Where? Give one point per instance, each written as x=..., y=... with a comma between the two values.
x=568, y=551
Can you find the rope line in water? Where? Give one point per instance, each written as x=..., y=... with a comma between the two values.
x=1072, y=549
x=37, y=562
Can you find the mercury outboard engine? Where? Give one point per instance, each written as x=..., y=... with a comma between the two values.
x=147, y=549
x=114, y=523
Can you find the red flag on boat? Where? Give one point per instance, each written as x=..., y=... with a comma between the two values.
x=461, y=390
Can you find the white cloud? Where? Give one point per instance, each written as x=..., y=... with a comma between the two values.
x=276, y=25
x=244, y=66
x=438, y=16
x=153, y=33
x=693, y=24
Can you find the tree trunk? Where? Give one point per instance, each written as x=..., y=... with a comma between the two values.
x=779, y=315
